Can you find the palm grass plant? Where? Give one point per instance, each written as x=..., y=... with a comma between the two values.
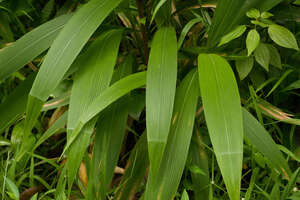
x=153, y=100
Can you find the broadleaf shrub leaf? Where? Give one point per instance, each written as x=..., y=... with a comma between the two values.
x=282, y=36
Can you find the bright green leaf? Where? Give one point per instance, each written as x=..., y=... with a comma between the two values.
x=253, y=13
x=262, y=56
x=237, y=32
x=223, y=114
x=160, y=93
x=282, y=36
x=252, y=41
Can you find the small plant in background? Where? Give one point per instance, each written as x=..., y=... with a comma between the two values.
x=153, y=100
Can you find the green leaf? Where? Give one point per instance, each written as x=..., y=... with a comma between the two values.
x=185, y=195
x=160, y=93
x=15, y=104
x=55, y=128
x=253, y=13
x=263, y=142
x=288, y=189
x=91, y=80
x=237, y=32
x=262, y=56
x=266, y=15
x=198, y=156
x=108, y=140
x=223, y=114
x=252, y=41
x=157, y=7
x=282, y=36
x=177, y=147
x=244, y=67
x=135, y=169
x=224, y=22
x=275, y=58
x=11, y=186
x=107, y=97
x=186, y=29
x=24, y=50
x=58, y=60
x=252, y=182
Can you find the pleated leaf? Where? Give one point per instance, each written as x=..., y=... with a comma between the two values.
x=263, y=142
x=176, y=152
x=107, y=97
x=108, y=140
x=24, y=50
x=63, y=52
x=160, y=93
x=223, y=114
x=91, y=80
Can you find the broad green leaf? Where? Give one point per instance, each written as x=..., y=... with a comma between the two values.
x=275, y=58
x=252, y=41
x=58, y=60
x=263, y=142
x=262, y=56
x=282, y=36
x=186, y=29
x=107, y=97
x=224, y=21
x=223, y=114
x=24, y=50
x=253, y=13
x=135, y=170
x=244, y=67
x=237, y=32
x=11, y=187
x=266, y=15
x=108, y=140
x=160, y=93
x=185, y=195
x=199, y=158
x=91, y=80
x=15, y=104
x=177, y=147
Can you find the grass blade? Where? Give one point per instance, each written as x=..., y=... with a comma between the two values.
x=223, y=114
x=186, y=29
x=107, y=97
x=108, y=140
x=160, y=93
x=58, y=60
x=91, y=80
x=24, y=50
x=176, y=152
x=263, y=142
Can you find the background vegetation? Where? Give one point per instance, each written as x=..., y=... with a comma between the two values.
x=157, y=99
